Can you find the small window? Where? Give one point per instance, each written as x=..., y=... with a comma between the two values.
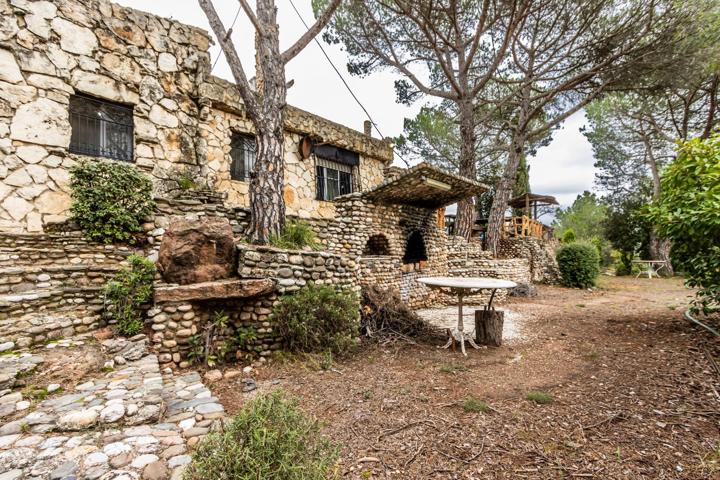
x=333, y=179
x=101, y=128
x=242, y=154
x=377, y=245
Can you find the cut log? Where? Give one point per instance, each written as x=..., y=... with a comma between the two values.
x=489, y=327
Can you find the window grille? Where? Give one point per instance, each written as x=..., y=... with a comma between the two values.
x=101, y=128
x=242, y=153
x=333, y=179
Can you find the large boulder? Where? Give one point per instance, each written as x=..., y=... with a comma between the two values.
x=197, y=251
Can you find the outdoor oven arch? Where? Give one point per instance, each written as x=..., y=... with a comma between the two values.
x=377, y=245
x=415, y=251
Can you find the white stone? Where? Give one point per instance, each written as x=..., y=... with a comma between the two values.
x=34, y=222
x=19, y=178
x=116, y=448
x=34, y=61
x=7, y=440
x=78, y=420
x=48, y=83
x=160, y=116
x=16, y=95
x=37, y=21
x=60, y=58
x=167, y=62
x=30, y=192
x=24, y=405
x=12, y=474
x=179, y=460
x=9, y=70
x=102, y=86
x=53, y=387
x=144, y=460
x=17, y=207
x=95, y=458
x=112, y=413
x=38, y=173
x=74, y=38
x=42, y=122
x=8, y=27
x=60, y=176
x=31, y=153
x=187, y=423
x=5, y=346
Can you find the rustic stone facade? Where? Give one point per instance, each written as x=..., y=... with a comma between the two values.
x=540, y=254
x=182, y=117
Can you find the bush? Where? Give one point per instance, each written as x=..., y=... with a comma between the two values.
x=110, y=200
x=568, y=236
x=317, y=318
x=270, y=438
x=688, y=214
x=541, y=398
x=579, y=265
x=127, y=292
x=295, y=236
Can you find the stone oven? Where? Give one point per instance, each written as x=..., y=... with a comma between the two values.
x=415, y=257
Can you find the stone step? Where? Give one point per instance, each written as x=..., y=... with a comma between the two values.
x=69, y=299
x=23, y=278
x=49, y=254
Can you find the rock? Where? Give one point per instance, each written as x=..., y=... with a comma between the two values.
x=9, y=70
x=197, y=251
x=42, y=121
x=95, y=458
x=167, y=62
x=250, y=385
x=74, y=38
x=143, y=460
x=53, y=387
x=179, y=460
x=78, y=420
x=155, y=471
x=65, y=470
x=242, y=288
x=247, y=370
x=53, y=203
x=213, y=375
x=11, y=475
x=4, y=347
x=230, y=374
x=112, y=413
x=160, y=116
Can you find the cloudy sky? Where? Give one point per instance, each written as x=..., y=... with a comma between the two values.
x=564, y=168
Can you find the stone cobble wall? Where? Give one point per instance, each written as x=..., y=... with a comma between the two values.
x=295, y=269
x=178, y=328
x=52, y=50
x=24, y=279
x=540, y=254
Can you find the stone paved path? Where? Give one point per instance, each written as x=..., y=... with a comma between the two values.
x=134, y=422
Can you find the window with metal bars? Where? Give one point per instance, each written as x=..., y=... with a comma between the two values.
x=333, y=179
x=101, y=128
x=242, y=153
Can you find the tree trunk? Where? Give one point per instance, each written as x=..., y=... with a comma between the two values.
x=659, y=248
x=267, y=202
x=503, y=191
x=465, y=217
x=489, y=327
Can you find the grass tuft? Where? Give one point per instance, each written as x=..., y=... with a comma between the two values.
x=453, y=368
x=541, y=398
x=474, y=405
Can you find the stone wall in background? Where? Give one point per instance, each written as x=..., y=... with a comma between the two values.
x=540, y=254
x=52, y=50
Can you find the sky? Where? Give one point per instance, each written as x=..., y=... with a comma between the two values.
x=563, y=169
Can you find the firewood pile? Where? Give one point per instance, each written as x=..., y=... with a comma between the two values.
x=386, y=318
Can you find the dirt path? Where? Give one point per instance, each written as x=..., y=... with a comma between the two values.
x=635, y=395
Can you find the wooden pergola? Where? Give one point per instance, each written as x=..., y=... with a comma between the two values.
x=527, y=225
x=530, y=203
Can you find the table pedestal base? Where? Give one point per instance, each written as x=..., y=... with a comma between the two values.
x=461, y=337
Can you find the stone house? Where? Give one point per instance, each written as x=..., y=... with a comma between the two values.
x=91, y=79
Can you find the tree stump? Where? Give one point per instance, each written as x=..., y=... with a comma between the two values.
x=489, y=327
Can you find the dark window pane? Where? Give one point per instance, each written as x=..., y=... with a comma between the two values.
x=333, y=182
x=242, y=155
x=101, y=128
x=320, y=171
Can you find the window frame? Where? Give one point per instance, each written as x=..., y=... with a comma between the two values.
x=344, y=181
x=248, y=167
x=97, y=139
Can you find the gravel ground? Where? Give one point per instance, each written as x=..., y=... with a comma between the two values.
x=446, y=317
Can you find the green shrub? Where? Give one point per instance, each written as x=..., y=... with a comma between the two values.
x=110, y=200
x=269, y=439
x=473, y=405
x=295, y=236
x=569, y=236
x=579, y=265
x=127, y=292
x=688, y=214
x=317, y=318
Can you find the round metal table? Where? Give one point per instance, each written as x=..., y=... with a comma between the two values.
x=462, y=286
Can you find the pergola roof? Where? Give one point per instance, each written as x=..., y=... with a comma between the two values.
x=426, y=186
x=532, y=198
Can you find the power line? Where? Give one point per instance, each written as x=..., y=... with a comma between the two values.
x=229, y=32
x=357, y=100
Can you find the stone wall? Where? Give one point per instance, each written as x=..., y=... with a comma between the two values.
x=178, y=328
x=52, y=50
x=540, y=254
x=182, y=116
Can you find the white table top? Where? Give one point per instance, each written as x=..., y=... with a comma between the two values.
x=467, y=282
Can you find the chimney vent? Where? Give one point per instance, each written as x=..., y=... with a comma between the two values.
x=367, y=128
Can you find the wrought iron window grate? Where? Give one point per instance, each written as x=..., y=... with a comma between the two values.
x=101, y=128
x=333, y=179
x=242, y=153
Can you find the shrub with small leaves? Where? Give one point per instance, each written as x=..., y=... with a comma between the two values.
x=110, y=200
x=127, y=292
x=296, y=236
x=579, y=265
x=569, y=236
x=271, y=438
x=318, y=318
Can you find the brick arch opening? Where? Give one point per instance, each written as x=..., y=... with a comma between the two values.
x=377, y=245
x=415, y=251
